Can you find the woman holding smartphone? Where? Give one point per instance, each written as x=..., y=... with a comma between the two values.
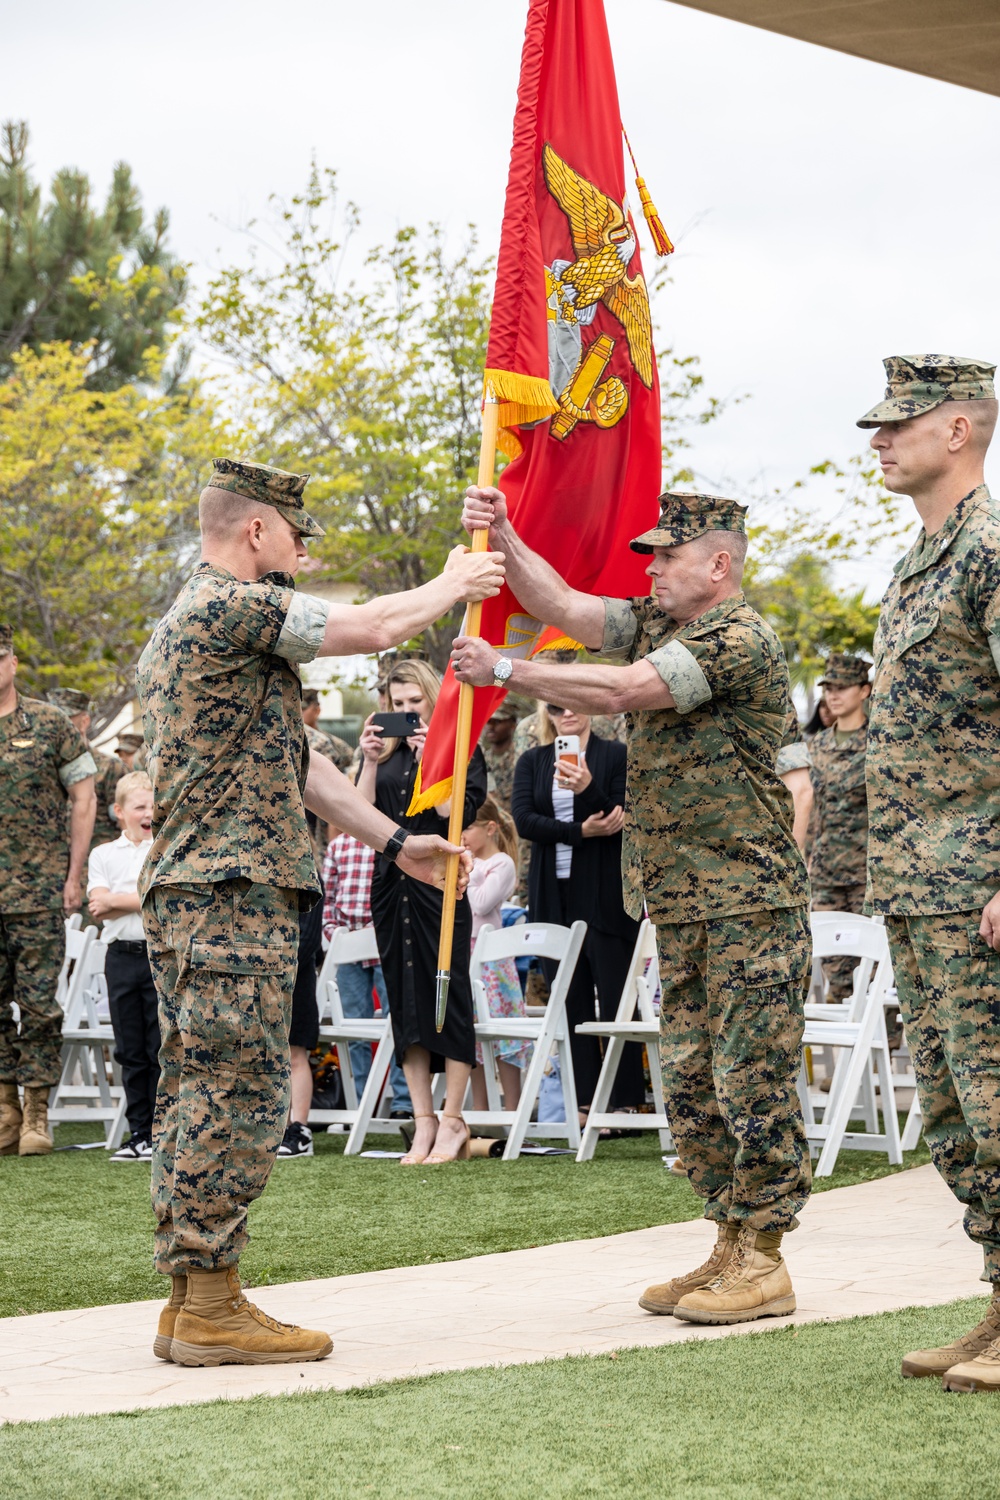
x=571, y=808
x=407, y=921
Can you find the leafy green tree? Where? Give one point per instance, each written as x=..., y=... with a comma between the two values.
x=98, y=494
x=69, y=270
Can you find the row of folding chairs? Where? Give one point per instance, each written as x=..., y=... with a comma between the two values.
x=89, y=1090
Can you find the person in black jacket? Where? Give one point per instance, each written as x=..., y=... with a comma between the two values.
x=573, y=816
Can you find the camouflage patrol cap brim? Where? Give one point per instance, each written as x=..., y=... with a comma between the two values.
x=917, y=383
x=130, y=743
x=275, y=487
x=685, y=516
x=6, y=640
x=844, y=670
x=514, y=707
x=70, y=700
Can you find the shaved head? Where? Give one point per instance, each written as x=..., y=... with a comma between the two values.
x=733, y=542
x=983, y=415
x=222, y=515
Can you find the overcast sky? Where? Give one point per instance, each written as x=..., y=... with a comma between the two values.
x=828, y=211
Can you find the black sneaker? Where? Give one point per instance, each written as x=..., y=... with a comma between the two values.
x=298, y=1141
x=137, y=1148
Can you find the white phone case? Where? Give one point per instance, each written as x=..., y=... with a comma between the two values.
x=568, y=746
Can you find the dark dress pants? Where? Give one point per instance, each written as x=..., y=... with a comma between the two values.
x=132, y=1001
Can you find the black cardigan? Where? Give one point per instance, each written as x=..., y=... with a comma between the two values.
x=595, y=876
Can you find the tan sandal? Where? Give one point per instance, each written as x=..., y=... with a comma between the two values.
x=462, y=1154
x=413, y=1158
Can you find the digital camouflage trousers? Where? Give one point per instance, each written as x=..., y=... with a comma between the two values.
x=839, y=972
x=731, y=1021
x=948, y=982
x=223, y=959
x=32, y=945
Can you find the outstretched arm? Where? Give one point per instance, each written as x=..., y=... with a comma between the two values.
x=331, y=797
x=394, y=618
x=588, y=689
x=538, y=586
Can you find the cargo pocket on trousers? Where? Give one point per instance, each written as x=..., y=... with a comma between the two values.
x=236, y=1013
x=773, y=1008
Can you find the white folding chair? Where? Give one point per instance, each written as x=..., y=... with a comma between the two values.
x=856, y=1031
x=72, y=951
x=359, y=1114
x=635, y=1021
x=546, y=1031
x=89, y=1089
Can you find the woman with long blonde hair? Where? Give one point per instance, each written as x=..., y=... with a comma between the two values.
x=407, y=919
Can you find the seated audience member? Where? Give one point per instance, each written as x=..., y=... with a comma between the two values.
x=573, y=814
x=492, y=842
x=347, y=883
x=112, y=891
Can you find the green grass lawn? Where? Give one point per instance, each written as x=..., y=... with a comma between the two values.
x=76, y=1229
x=818, y=1411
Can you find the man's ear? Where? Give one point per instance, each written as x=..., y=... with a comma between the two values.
x=255, y=532
x=961, y=431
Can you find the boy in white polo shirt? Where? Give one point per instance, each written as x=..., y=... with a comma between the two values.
x=112, y=879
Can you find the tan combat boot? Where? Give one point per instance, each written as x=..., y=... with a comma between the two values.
x=665, y=1297
x=10, y=1119
x=36, y=1137
x=755, y=1284
x=923, y=1362
x=218, y=1326
x=979, y=1374
x=168, y=1317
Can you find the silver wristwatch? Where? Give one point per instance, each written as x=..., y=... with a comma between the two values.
x=502, y=668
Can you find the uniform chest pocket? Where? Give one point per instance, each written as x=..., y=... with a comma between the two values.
x=915, y=632
x=21, y=763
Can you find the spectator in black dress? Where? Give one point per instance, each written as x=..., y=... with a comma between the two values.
x=407, y=920
x=573, y=816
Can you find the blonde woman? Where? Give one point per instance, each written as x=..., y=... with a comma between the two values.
x=407, y=920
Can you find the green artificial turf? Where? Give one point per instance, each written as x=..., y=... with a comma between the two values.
x=76, y=1229
x=816, y=1411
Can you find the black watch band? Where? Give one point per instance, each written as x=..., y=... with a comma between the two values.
x=392, y=848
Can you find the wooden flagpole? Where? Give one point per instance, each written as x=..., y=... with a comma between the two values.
x=463, y=728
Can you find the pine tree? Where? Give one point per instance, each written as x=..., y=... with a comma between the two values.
x=70, y=271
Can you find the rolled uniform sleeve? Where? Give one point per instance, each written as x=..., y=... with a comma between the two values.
x=679, y=669
x=621, y=626
x=270, y=618
x=305, y=625
x=793, y=754
x=77, y=769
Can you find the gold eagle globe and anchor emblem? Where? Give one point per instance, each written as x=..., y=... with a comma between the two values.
x=604, y=245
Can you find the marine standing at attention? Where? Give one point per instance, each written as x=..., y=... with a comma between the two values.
x=708, y=847
x=47, y=802
x=933, y=773
x=230, y=865
x=839, y=850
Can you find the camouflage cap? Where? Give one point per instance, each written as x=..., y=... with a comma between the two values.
x=919, y=382
x=6, y=640
x=513, y=707
x=310, y=695
x=684, y=516
x=844, y=670
x=565, y=656
x=70, y=700
x=274, y=487
x=130, y=742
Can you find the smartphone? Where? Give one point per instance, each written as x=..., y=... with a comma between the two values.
x=396, y=726
x=568, y=748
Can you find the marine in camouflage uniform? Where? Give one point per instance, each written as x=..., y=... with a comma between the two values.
x=41, y=757
x=708, y=851
x=501, y=759
x=933, y=777
x=838, y=856
x=220, y=695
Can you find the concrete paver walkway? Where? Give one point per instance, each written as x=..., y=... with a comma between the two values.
x=884, y=1245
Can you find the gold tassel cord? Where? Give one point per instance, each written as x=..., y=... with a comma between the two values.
x=662, y=243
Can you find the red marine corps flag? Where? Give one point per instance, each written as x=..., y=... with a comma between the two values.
x=570, y=358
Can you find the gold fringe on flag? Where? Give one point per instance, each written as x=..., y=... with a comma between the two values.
x=522, y=398
x=662, y=243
